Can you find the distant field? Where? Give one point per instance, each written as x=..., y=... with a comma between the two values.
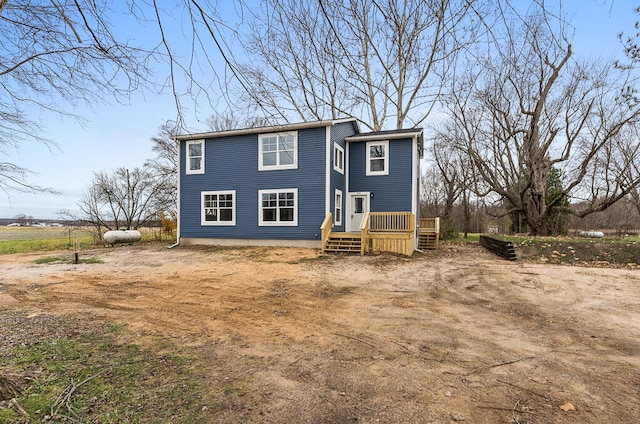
x=39, y=233
x=26, y=239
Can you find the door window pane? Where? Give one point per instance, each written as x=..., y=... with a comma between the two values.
x=359, y=205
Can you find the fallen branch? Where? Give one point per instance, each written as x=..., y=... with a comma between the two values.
x=20, y=409
x=401, y=345
x=501, y=408
x=498, y=364
x=8, y=388
x=355, y=338
x=65, y=397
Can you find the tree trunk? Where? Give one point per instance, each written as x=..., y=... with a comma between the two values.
x=537, y=213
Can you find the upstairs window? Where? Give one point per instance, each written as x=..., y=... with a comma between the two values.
x=195, y=157
x=278, y=207
x=378, y=158
x=278, y=151
x=338, y=158
x=219, y=207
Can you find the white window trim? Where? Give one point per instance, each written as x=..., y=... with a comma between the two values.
x=338, y=222
x=294, y=165
x=188, y=170
x=385, y=171
x=293, y=223
x=218, y=223
x=338, y=166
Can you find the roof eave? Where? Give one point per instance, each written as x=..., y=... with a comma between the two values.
x=259, y=130
x=418, y=135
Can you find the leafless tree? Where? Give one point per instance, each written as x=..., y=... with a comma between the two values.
x=233, y=121
x=529, y=106
x=125, y=198
x=56, y=55
x=380, y=61
x=431, y=192
x=164, y=168
x=60, y=55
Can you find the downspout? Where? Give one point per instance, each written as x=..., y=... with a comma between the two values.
x=177, y=200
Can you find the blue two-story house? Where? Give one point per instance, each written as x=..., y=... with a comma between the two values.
x=278, y=185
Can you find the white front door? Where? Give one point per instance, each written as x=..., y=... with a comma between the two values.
x=359, y=204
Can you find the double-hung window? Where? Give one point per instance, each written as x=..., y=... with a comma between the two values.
x=278, y=151
x=219, y=207
x=278, y=207
x=378, y=158
x=195, y=157
x=338, y=158
x=338, y=208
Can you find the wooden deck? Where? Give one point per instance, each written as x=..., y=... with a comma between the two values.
x=380, y=232
x=383, y=232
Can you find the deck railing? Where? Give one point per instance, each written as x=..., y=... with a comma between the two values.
x=391, y=222
x=389, y=232
x=430, y=225
x=325, y=229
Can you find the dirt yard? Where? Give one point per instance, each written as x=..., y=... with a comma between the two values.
x=450, y=336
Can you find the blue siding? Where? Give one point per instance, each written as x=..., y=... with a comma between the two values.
x=337, y=180
x=391, y=193
x=231, y=163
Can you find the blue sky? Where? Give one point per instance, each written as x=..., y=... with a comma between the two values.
x=116, y=135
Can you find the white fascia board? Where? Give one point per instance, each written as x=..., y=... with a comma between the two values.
x=270, y=129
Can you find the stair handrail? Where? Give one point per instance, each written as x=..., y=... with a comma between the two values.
x=364, y=232
x=325, y=230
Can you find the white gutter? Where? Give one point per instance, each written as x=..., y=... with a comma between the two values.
x=389, y=136
x=262, y=130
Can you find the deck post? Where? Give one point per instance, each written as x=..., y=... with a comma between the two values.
x=364, y=232
x=325, y=230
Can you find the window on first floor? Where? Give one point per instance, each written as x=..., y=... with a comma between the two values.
x=219, y=207
x=278, y=207
x=194, y=157
x=338, y=208
x=378, y=158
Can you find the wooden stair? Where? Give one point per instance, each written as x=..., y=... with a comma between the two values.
x=343, y=242
x=428, y=241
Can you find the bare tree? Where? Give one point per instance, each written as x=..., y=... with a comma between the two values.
x=380, y=61
x=125, y=198
x=54, y=56
x=233, y=121
x=431, y=192
x=164, y=168
x=59, y=56
x=531, y=106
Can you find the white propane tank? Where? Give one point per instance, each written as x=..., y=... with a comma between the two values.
x=592, y=234
x=122, y=236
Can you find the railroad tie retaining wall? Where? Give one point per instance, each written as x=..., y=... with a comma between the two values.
x=501, y=248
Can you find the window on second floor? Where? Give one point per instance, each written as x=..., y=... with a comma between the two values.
x=378, y=158
x=338, y=158
x=278, y=151
x=195, y=157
